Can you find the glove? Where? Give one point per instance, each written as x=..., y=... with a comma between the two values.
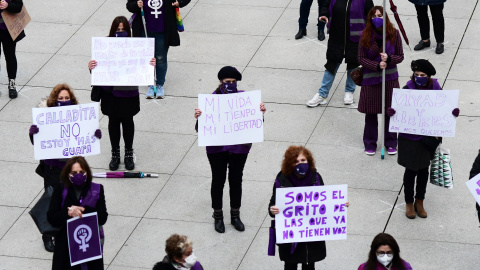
x=391, y=112
x=98, y=133
x=456, y=112
x=33, y=130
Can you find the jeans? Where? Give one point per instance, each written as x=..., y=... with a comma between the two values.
x=160, y=55
x=437, y=19
x=328, y=79
x=219, y=162
x=305, y=6
x=409, y=184
x=370, y=133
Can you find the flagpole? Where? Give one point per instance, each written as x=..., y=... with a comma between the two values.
x=382, y=136
x=146, y=36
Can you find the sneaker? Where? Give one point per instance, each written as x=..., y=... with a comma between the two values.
x=150, y=94
x=370, y=152
x=391, y=151
x=348, y=99
x=317, y=100
x=12, y=89
x=160, y=92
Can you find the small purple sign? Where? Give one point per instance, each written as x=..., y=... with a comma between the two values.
x=84, y=239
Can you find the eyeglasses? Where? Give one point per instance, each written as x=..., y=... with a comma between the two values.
x=383, y=253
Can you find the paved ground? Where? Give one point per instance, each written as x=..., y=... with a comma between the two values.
x=257, y=38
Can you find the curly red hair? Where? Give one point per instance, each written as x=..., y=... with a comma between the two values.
x=290, y=159
x=52, y=99
x=368, y=34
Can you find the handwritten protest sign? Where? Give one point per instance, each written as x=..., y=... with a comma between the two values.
x=424, y=112
x=474, y=187
x=230, y=119
x=66, y=131
x=16, y=22
x=123, y=61
x=308, y=214
x=84, y=239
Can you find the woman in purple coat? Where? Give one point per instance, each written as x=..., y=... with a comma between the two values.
x=232, y=157
x=384, y=254
x=371, y=57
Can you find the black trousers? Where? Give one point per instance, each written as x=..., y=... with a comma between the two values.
x=293, y=266
x=305, y=6
x=409, y=184
x=128, y=127
x=437, y=18
x=51, y=176
x=9, y=53
x=219, y=162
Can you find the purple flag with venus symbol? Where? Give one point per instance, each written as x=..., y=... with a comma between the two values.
x=84, y=239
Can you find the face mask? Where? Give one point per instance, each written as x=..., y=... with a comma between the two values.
x=64, y=103
x=385, y=259
x=421, y=80
x=78, y=179
x=301, y=169
x=190, y=261
x=121, y=34
x=377, y=22
x=230, y=87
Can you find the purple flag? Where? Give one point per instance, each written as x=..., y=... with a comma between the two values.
x=84, y=239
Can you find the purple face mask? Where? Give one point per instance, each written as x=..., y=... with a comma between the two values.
x=78, y=179
x=377, y=22
x=301, y=169
x=421, y=81
x=230, y=87
x=121, y=34
x=64, y=103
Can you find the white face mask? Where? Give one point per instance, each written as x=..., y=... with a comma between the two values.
x=190, y=261
x=385, y=259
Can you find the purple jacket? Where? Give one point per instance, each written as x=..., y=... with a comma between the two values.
x=236, y=149
x=381, y=267
x=411, y=85
x=357, y=19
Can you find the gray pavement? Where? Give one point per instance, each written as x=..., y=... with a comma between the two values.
x=257, y=38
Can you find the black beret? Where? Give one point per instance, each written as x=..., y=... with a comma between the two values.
x=424, y=66
x=229, y=72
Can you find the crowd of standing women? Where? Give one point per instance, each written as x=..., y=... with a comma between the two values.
x=355, y=36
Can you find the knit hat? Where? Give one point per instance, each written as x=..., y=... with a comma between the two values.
x=423, y=66
x=229, y=72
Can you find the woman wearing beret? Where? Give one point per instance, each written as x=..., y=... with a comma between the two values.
x=416, y=151
x=436, y=9
x=371, y=57
x=232, y=157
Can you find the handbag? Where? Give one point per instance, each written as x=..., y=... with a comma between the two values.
x=357, y=76
x=39, y=213
x=96, y=94
x=179, y=20
x=40, y=170
x=441, y=168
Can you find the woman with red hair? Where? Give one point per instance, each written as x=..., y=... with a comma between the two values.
x=374, y=60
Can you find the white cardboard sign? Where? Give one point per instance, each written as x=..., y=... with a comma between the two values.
x=474, y=187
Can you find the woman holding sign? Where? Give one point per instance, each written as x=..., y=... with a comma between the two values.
x=231, y=157
x=9, y=45
x=371, y=57
x=50, y=169
x=120, y=104
x=74, y=196
x=384, y=254
x=416, y=151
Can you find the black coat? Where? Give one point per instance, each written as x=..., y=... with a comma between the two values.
x=58, y=216
x=339, y=44
x=171, y=33
x=307, y=252
x=474, y=171
x=15, y=6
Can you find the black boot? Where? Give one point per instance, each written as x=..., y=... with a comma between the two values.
x=128, y=160
x=421, y=45
x=219, y=225
x=236, y=222
x=301, y=33
x=48, y=243
x=12, y=89
x=115, y=159
x=321, y=35
x=440, y=48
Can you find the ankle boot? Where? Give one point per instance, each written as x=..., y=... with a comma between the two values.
x=219, y=225
x=48, y=243
x=115, y=159
x=419, y=208
x=321, y=35
x=12, y=89
x=410, y=211
x=236, y=222
x=301, y=33
x=128, y=160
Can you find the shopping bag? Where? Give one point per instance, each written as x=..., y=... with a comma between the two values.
x=441, y=168
x=179, y=20
x=39, y=213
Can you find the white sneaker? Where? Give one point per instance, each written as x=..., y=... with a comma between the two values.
x=348, y=98
x=317, y=100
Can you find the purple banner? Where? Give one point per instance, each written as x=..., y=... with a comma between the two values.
x=84, y=239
